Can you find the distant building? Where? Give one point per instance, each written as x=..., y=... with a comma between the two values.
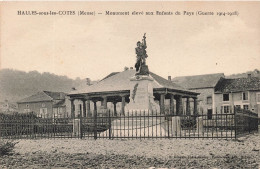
x=242, y=93
x=203, y=84
x=7, y=107
x=44, y=104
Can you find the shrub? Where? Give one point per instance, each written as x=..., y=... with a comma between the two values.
x=6, y=147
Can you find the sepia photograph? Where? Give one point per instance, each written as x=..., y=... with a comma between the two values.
x=149, y=84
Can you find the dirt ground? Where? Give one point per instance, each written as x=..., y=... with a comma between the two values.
x=153, y=153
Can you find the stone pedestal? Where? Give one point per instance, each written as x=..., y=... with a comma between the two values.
x=141, y=95
x=137, y=128
x=76, y=127
x=176, y=126
x=200, y=125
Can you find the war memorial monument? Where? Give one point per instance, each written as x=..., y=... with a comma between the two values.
x=140, y=92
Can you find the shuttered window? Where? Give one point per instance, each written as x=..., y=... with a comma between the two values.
x=245, y=107
x=258, y=98
x=209, y=100
x=226, y=109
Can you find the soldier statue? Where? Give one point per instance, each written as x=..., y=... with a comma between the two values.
x=141, y=55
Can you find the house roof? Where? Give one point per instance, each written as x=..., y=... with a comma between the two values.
x=121, y=81
x=111, y=74
x=55, y=95
x=198, y=81
x=43, y=96
x=237, y=85
x=59, y=104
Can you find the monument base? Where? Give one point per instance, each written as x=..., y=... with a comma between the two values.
x=141, y=95
x=136, y=127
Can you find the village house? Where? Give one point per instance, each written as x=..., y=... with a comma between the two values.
x=242, y=93
x=205, y=85
x=45, y=104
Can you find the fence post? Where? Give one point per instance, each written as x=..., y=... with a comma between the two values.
x=249, y=124
x=176, y=125
x=80, y=127
x=257, y=122
x=168, y=122
x=200, y=125
x=235, y=119
x=95, y=124
x=77, y=127
x=109, y=123
x=34, y=126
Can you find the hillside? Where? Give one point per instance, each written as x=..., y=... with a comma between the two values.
x=15, y=85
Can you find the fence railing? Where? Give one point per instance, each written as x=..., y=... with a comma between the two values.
x=132, y=125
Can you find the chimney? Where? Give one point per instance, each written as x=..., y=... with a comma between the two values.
x=88, y=81
x=73, y=88
x=131, y=67
x=249, y=76
x=126, y=68
x=169, y=78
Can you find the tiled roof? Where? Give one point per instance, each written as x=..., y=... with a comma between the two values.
x=43, y=96
x=60, y=104
x=55, y=95
x=166, y=83
x=198, y=81
x=121, y=81
x=239, y=84
x=111, y=74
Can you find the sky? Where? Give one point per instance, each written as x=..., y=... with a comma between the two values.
x=94, y=46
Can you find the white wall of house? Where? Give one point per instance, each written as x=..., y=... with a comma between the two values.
x=248, y=101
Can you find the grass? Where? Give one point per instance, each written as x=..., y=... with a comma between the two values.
x=7, y=147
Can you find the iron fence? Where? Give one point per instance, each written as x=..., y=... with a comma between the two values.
x=132, y=124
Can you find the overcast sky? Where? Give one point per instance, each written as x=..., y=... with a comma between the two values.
x=94, y=46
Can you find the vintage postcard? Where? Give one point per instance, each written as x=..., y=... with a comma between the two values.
x=129, y=84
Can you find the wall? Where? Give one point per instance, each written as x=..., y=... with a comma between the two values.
x=60, y=112
x=68, y=106
x=254, y=105
x=236, y=99
x=35, y=107
x=202, y=99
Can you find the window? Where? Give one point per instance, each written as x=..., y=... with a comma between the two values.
x=226, y=109
x=55, y=112
x=27, y=106
x=238, y=107
x=245, y=107
x=209, y=100
x=225, y=97
x=43, y=112
x=258, y=98
x=245, y=95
